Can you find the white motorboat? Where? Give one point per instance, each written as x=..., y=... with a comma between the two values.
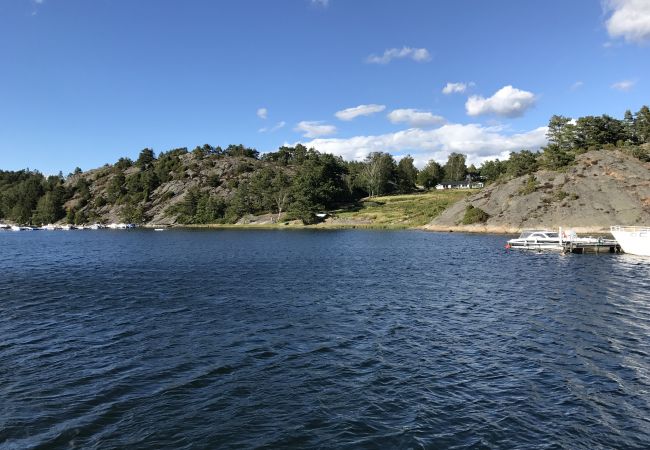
x=633, y=240
x=537, y=240
x=563, y=240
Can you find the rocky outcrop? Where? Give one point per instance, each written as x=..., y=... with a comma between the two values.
x=218, y=177
x=602, y=188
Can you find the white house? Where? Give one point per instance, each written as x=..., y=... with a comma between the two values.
x=460, y=185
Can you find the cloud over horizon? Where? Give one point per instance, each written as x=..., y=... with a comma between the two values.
x=623, y=85
x=275, y=127
x=577, y=85
x=416, y=54
x=630, y=20
x=478, y=142
x=314, y=129
x=361, y=110
x=456, y=88
x=506, y=102
x=415, y=118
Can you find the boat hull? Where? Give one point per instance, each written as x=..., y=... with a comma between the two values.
x=530, y=245
x=633, y=240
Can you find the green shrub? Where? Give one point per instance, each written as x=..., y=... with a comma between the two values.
x=474, y=215
x=560, y=195
x=530, y=186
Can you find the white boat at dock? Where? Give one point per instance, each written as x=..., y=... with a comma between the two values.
x=562, y=241
x=117, y=226
x=633, y=240
x=537, y=240
x=18, y=228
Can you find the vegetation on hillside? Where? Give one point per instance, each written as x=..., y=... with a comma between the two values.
x=215, y=185
x=568, y=138
x=401, y=210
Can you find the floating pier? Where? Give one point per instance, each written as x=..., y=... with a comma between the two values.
x=601, y=246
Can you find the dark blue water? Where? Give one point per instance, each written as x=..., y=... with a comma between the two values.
x=318, y=339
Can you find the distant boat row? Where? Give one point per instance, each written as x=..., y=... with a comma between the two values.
x=52, y=227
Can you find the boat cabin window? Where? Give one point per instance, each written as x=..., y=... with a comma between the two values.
x=540, y=235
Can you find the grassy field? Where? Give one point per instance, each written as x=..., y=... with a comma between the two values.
x=386, y=212
x=401, y=211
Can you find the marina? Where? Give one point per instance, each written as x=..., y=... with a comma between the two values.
x=564, y=241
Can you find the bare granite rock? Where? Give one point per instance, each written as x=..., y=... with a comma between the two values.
x=602, y=188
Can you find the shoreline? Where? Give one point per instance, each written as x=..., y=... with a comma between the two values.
x=502, y=229
x=470, y=229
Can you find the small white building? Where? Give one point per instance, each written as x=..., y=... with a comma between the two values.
x=460, y=185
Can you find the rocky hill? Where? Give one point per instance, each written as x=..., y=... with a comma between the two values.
x=602, y=188
x=109, y=196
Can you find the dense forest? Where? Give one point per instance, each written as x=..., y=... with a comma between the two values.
x=215, y=185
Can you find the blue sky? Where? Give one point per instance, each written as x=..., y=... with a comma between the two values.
x=85, y=82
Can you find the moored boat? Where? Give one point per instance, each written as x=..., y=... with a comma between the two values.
x=633, y=240
x=563, y=240
x=537, y=240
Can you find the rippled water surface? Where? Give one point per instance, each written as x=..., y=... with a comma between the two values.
x=356, y=339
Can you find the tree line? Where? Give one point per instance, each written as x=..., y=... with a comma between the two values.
x=226, y=184
x=569, y=138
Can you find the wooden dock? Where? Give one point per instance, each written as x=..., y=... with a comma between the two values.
x=601, y=246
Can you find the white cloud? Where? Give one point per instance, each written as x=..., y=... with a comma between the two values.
x=630, y=20
x=577, y=85
x=361, y=110
x=321, y=3
x=262, y=113
x=314, y=129
x=478, y=142
x=506, y=102
x=456, y=88
x=415, y=118
x=275, y=127
x=416, y=54
x=624, y=85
